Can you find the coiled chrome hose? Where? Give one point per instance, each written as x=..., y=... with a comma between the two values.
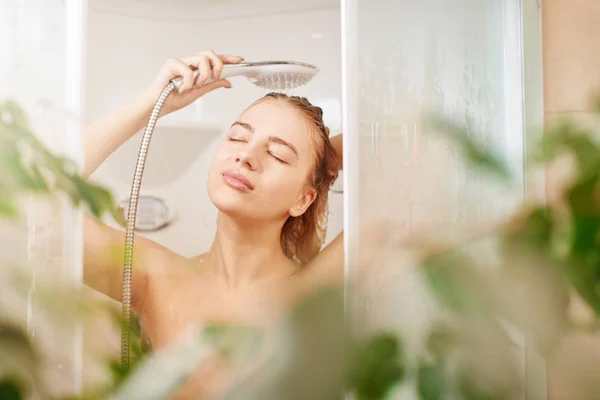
x=130, y=227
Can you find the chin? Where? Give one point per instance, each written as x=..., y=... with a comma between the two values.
x=227, y=200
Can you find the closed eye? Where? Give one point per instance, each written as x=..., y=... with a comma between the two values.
x=278, y=159
x=236, y=140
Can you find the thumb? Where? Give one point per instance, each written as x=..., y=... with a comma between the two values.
x=209, y=87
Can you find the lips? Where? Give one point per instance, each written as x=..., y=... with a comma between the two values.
x=237, y=181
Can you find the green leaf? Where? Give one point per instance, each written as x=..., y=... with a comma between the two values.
x=163, y=372
x=98, y=199
x=474, y=152
x=583, y=269
x=567, y=136
x=11, y=391
x=309, y=359
x=458, y=284
x=13, y=114
x=229, y=338
x=30, y=176
x=376, y=367
x=441, y=340
x=19, y=362
x=8, y=206
x=486, y=366
x=586, y=215
x=534, y=230
x=431, y=382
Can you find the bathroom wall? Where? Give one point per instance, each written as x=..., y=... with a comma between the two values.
x=571, y=34
x=124, y=54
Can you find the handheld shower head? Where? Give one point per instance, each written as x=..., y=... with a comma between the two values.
x=271, y=75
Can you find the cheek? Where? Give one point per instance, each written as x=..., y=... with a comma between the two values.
x=222, y=152
x=219, y=157
x=286, y=183
x=216, y=166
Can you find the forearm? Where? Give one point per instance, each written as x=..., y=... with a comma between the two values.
x=337, y=143
x=104, y=136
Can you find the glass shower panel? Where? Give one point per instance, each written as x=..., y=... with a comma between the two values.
x=404, y=60
x=451, y=58
x=40, y=69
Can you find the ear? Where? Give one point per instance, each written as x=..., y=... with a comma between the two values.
x=303, y=202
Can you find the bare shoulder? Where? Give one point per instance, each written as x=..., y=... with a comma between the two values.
x=167, y=266
x=161, y=261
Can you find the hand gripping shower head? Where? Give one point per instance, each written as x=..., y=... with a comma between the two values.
x=270, y=75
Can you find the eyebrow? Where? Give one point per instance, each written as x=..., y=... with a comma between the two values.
x=273, y=139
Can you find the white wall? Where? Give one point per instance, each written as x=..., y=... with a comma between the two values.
x=125, y=53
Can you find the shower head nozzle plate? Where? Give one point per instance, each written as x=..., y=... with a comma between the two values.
x=274, y=75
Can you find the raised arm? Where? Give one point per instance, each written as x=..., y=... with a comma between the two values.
x=106, y=135
x=103, y=245
x=328, y=266
x=337, y=142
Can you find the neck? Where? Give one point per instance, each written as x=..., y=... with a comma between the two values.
x=244, y=252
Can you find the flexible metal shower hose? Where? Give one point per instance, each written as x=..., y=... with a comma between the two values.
x=130, y=227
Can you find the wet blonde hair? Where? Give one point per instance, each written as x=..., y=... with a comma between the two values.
x=303, y=236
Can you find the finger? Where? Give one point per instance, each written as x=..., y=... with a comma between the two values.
x=231, y=59
x=179, y=68
x=192, y=61
x=200, y=91
x=209, y=87
x=204, y=71
x=200, y=61
x=216, y=64
x=226, y=59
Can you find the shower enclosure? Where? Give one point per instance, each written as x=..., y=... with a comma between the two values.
x=475, y=62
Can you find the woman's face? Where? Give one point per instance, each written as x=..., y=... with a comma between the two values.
x=260, y=170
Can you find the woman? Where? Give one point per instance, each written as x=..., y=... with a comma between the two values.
x=269, y=180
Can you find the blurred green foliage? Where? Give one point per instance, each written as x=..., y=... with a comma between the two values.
x=545, y=253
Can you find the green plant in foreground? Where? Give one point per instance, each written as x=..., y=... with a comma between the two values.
x=545, y=254
x=28, y=168
x=542, y=256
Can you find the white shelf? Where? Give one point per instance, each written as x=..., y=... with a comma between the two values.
x=174, y=148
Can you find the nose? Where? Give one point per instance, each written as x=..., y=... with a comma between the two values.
x=247, y=160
